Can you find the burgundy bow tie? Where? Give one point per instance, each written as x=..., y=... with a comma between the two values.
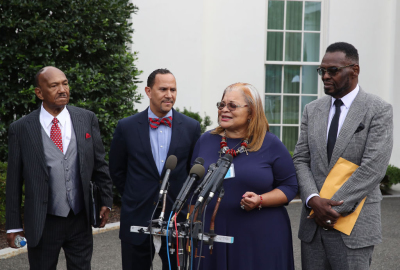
x=156, y=122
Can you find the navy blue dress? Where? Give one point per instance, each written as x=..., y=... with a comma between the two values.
x=262, y=238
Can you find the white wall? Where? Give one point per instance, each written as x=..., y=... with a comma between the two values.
x=207, y=44
x=168, y=34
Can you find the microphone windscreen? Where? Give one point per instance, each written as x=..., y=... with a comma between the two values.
x=198, y=170
x=171, y=162
x=228, y=157
x=199, y=160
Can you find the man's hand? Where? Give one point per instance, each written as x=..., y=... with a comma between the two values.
x=104, y=216
x=11, y=238
x=323, y=211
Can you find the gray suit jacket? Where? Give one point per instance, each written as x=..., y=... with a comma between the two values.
x=366, y=139
x=26, y=163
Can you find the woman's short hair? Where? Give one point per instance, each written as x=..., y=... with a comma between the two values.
x=258, y=125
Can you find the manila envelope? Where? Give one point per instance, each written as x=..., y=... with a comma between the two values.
x=339, y=174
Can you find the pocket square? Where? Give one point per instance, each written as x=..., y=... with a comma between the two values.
x=360, y=127
x=87, y=135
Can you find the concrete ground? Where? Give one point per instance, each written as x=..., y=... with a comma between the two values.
x=107, y=252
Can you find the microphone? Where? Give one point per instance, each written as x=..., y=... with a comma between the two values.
x=195, y=174
x=216, y=180
x=198, y=160
x=205, y=181
x=170, y=164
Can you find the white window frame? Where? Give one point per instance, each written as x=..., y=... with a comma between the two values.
x=301, y=63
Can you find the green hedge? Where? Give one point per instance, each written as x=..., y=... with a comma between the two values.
x=204, y=123
x=392, y=177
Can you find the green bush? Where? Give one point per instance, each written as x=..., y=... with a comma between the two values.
x=88, y=40
x=392, y=177
x=204, y=123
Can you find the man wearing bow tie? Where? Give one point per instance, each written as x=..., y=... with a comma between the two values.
x=356, y=126
x=55, y=151
x=139, y=149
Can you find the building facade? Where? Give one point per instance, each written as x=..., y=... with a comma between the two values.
x=275, y=45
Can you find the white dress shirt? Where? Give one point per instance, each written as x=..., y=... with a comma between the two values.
x=64, y=122
x=344, y=109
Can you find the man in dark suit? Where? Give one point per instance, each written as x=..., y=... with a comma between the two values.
x=358, y=127
x=138, y=152
x=56, y=151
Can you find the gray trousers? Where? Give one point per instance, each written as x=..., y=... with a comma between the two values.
x=327, y=251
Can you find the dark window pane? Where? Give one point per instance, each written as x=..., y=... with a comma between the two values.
x=274, y=46
x=291, y=82
x=290, y=109
x=290, y=136
x=293, y=47
x=311, y=47
x=273, y=109
x=275, y=14
x=273, y=79
x=312, y=16
x=309, y=80
x=294, y=13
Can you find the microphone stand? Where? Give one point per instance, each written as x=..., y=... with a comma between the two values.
x=161, y=218
x=212, y=234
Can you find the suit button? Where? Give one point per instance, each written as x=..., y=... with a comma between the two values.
x=154, y=203
x=160, y=181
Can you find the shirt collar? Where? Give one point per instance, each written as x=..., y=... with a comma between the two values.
x=152, y=115
x=349, y=98
x=47, y=118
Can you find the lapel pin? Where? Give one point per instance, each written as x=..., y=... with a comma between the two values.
x=87, y=135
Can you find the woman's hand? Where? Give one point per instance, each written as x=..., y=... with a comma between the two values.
x=250, y=201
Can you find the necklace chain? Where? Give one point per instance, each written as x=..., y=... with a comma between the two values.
x=225, y=149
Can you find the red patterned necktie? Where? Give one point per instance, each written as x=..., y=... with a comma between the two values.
x=55, y=134
x=155, y=122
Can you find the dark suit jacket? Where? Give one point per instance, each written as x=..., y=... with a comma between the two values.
x=135, y=173
x=26, y=163
x=366, y=139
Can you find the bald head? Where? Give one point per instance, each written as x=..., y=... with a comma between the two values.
x=43, y=70
x=53, y=89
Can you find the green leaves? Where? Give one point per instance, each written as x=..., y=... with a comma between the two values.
x=204, y=123
x=86, y=39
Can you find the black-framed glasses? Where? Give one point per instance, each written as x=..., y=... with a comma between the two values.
x=331, y=70
x=231, y=106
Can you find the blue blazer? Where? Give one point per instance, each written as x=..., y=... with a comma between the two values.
x=135, y=173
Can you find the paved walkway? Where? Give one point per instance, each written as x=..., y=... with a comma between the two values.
x=106, y=254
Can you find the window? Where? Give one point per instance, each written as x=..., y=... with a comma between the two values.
x=292, y=57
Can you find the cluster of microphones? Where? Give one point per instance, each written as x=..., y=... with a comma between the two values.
x=211, y=184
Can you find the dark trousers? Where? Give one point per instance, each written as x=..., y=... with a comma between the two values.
x=137, y=257
x=73, y=234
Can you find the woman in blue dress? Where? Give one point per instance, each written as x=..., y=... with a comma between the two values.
x=262, y=180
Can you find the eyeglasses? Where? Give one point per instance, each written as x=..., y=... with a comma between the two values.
x=331, y=70
x=231, y=106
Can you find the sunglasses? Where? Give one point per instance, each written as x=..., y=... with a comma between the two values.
x=331, y=70
x=231, y=106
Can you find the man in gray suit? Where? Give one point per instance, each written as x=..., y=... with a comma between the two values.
x=56, y=151
x=358, y=127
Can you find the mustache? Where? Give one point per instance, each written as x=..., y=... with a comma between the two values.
x=168, y=100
